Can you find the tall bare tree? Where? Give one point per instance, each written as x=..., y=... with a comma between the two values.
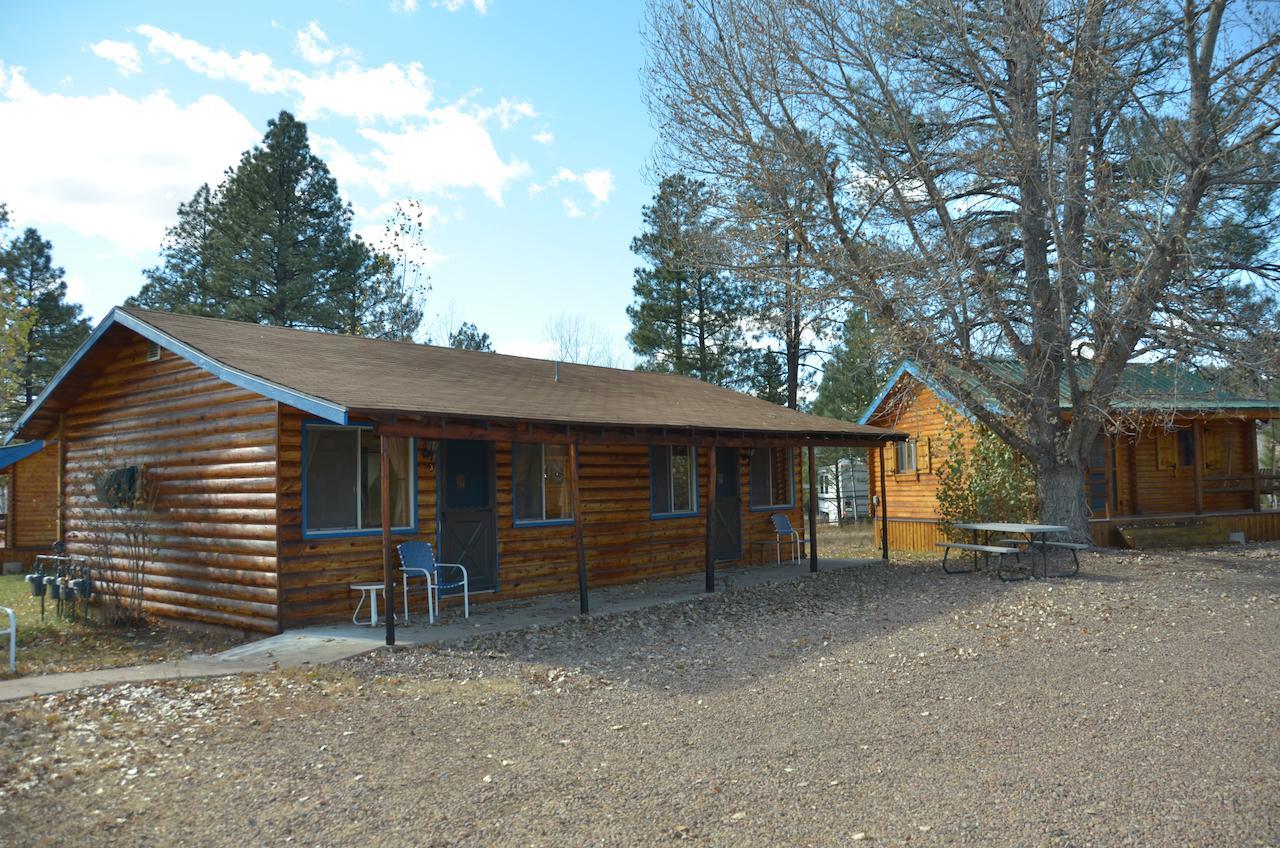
x=1056, y=187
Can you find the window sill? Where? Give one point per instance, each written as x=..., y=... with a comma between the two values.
x=773, y=507
x=548, y=522
x=662, y=516
x=348, y=534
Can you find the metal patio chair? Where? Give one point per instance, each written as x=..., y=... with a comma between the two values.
x=782, y=526
x=417, y=559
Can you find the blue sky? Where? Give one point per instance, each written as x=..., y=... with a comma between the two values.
x=519, y=124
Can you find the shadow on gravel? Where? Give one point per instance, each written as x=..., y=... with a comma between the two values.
x=743, y=635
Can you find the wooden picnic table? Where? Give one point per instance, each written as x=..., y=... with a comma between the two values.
x=1029, y=531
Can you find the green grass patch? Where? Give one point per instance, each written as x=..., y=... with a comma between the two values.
x=59, y=644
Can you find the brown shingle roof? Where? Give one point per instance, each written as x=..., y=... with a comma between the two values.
x=372, y=377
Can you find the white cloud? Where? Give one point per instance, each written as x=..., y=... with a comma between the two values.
x=451, y=150
x=255, y=70
x=481, y=6
x=391, y=92
x=571, y=209
x=406, y=6
x=597, y=182
x=541, y=349
x=122, y=54
x=544, y=137
x=312, y=44
x=509, y=112
x=112, y=166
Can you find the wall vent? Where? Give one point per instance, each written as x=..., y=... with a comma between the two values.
x=153, y=351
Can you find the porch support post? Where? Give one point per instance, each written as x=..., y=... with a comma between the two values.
x=388, y=577
x=1251, y=457
x=575, y=493
x=1134, y=508
x=1197, y=476
x=884, y=511
x=813, y=512
x=711, y=517
x=1109, y=458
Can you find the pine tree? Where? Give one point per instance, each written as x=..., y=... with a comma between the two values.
x=184, y=282
x=273, y=244
x=855, y=371
x=687, y=313
x=467, y=337
x=15, y=326
x=55, y=327
x=280, y=244
x=378, y=303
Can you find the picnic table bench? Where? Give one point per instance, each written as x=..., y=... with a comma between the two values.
x=986, y=550
x=1034, y=536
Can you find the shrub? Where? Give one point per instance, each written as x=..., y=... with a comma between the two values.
x=982, y=479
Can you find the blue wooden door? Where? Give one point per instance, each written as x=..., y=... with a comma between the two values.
x=468, y=520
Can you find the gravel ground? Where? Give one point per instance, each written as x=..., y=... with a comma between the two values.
x=1135, y=705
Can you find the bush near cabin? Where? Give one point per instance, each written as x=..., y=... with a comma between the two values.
x=982, y=479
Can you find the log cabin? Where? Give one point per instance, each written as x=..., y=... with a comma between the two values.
x=29, y=476
x=261, y=458
x=1178, y=466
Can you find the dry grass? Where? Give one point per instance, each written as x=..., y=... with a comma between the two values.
x=59, y=644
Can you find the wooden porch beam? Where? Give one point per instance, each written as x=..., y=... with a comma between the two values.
x=1197, y=471
x=1251, y=457
x=813, y=511
x=575, y=495
x=595, y=435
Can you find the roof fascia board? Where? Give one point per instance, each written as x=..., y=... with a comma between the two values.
x=17, y=453
x=910, y=367
x=318, y=407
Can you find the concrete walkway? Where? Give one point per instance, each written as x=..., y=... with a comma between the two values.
x=332, y=643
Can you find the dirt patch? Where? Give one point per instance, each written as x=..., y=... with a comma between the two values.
x=889, y=705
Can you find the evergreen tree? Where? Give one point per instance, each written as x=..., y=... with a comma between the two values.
x=467, y=337
x=855, y=371
x=281, y=241
x=184, y=282
x=55, y=328
x=15, y=326
x=687, y=314
x=378, y=303
x=273, y=245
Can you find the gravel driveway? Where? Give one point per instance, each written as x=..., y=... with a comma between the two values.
x=1135, y=705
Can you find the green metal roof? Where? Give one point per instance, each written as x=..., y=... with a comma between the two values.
x=1144, y=386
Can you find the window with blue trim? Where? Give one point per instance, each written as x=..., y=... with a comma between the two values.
x=772, y=478
x=342, y=480
x=541, y=483
x=673, y=479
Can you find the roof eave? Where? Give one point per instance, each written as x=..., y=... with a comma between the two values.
x=311, y=404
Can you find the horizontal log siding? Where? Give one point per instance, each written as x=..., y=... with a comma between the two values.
x=208, y=449
x=1172, y=490
x=35, y=501
x=315, y=574
x=623, y=543
x=913, y=494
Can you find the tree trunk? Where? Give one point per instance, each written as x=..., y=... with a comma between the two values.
x=1061, y=491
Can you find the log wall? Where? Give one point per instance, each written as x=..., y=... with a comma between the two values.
x=911, y=497
x=623, y=543
x=32, y=521
x=208, y=454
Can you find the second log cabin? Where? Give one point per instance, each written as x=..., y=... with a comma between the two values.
x=1179, y=453
x=274, y=467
